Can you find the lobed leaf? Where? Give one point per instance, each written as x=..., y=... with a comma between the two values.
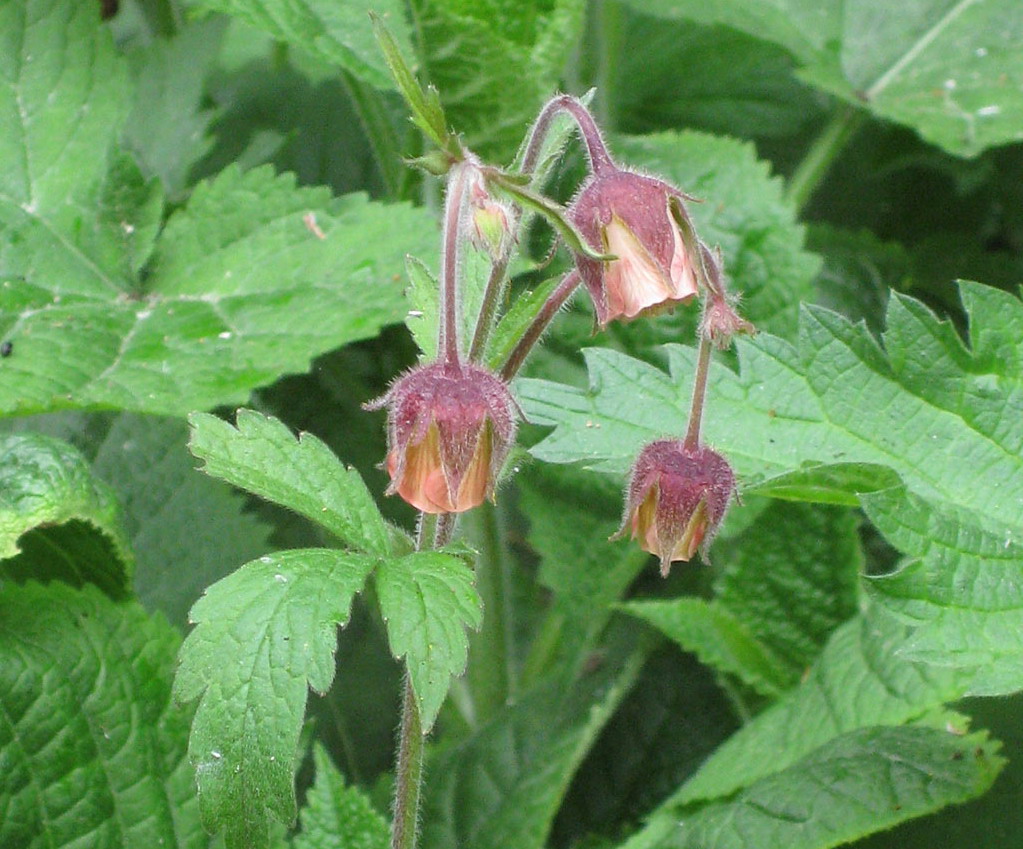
x=57, y=520
x=246, y=284
x=260, y=455
x=336, y=814
x=93, y=748
x=265, y=634
x=427, y=600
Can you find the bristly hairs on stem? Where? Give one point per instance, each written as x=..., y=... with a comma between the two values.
x=447, y=342
x=596, y=149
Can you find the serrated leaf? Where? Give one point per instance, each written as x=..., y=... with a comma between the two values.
x=338, y=815
x=57, y=520
x=338, y=33
x=427, y=600
x=961, y=591
x=93, y=748
x=265, y=634
x=477, y=54
x=716, y=636
x=858, y=681
x=861, y=782
x=260, y=455
x=244, y=286
x=948, y=68
x=502, y=786
x=837, y=398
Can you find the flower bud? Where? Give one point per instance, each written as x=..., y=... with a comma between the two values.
x=720, y=322
x=492, y=229
x=641, y=221
x=449, y=429
x=676, y=499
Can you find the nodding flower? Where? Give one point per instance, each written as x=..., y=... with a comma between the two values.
x=676, y=499
x=450, y=427
x=643, y=222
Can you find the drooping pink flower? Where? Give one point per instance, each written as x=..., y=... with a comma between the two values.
x=450, y=427
x=642, y=221
x=676, y=499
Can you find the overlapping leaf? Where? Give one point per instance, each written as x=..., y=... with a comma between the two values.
x=265, y=634
x=427, y=600
x=92, y=746
x=835, y=417
x=864, y=781
x=57, y=520
x=948, y=68
x=336, y=814
x=261, y=455
x=339, y=33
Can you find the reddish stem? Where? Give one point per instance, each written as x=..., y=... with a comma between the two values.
x=600, y=159
x=539, y=324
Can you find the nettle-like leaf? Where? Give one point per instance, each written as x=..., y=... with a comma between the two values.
x=862, y=782
x=503, y=785
x=336, y=814
x=477, y=55
x=948, y=68
x=427, y=600
x=961, y=591
x=839, y=416
x=262, y=456
x=92, y=747
x=245, y=286
x=264, y=636
x=791, y=577
x=245, y=283
x=57, y=520
x=338, y=33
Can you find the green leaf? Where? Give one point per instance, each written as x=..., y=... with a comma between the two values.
x=861, y=782
x=495, y=63
x=569, y=523
x=947, y=68
x=524, y=308
x=187, y=530
x=168, y=129
x=93, y=748
x=241, y=289
x=837, y=398
x=427, y=600
x=61, y=109
x=57, y=520
x=261, y=455
x=338, y=33
x=336, y=815
x=716, y=636
x=960, y=591
x=858, y=681
x=265, y=634
x=502, y=786
x=744, y=212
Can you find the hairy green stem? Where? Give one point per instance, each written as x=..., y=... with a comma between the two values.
x=447, y=342
x=409, y=772
x=822, y=153
x=692, y=439
x=539, y=324
x=488, y=309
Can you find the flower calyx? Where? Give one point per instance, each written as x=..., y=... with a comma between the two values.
x=676, y=497
x=450, y=427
